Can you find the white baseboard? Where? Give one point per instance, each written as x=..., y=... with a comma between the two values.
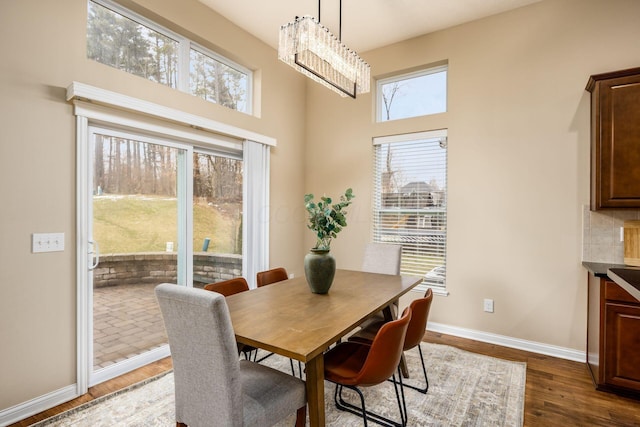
x=520, y=344
x=57, y=397
x=37, y=405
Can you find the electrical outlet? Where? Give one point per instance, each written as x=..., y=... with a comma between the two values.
x=47, y=242
x=488, y=305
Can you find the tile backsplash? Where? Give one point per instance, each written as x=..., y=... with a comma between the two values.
x=601, y=234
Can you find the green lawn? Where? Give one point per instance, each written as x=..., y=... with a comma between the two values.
x=124, y=224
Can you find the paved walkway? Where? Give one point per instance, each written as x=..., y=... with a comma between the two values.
x=126, y=322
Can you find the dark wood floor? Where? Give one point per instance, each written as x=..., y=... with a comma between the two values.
x=558, y=392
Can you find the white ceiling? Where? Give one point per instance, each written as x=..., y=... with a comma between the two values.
x=366, y=24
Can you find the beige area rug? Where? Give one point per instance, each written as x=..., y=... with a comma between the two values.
x=465, y=389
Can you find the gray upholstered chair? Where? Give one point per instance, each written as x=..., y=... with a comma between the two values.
x=382, y=258
x=212, y=386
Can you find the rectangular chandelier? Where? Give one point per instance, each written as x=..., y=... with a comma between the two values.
x=309, y=47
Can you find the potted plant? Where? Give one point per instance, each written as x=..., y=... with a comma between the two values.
x=326, y=220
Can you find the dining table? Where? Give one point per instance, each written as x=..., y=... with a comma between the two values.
x=286, y=318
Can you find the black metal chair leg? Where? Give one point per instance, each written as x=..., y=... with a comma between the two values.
x=362, y=412
x=424, y=389
x=404, y=415
x=263, y=357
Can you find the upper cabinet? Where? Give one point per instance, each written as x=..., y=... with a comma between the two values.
x=615, y=139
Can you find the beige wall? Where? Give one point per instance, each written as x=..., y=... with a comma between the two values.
x=43, y=46
x=518, y=162
x=518, y=167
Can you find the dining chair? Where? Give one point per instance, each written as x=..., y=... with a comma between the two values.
x=228, y=287
x=415, y=333
x=382, y=258
x=213, y=386
x=231, y=287
x=353, y=364
x=271, y=276
x=264, y=278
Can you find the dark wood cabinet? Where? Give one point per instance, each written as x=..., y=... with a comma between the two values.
x=615, y=139
x=613, y=337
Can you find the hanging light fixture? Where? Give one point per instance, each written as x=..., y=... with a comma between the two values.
x=309, y=47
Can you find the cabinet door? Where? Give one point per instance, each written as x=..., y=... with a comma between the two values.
x=616, y=142
x=622, y=345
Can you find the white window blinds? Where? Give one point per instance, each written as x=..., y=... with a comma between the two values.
x=410, y=201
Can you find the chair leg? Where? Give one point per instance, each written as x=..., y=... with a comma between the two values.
x=301, y=416
x=404, y=415
x=362, y=412
x=424, y=389
x=343, y=405
x=262, y=358
x=179, y=424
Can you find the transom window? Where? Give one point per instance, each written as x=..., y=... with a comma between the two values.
x=127, y=41
x=410, y=201
x=414, y=94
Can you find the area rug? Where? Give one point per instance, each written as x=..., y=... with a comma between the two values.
x=465, y=389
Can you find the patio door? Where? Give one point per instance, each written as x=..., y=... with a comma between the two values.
x=138, y=212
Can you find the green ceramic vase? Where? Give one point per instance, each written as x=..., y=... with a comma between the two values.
x=319, y=269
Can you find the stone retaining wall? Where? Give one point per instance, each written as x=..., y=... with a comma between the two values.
x=159, y=267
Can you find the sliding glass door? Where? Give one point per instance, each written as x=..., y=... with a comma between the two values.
x=138, y=238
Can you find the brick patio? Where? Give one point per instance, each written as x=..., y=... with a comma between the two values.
x=127, y=322
x=126, y=316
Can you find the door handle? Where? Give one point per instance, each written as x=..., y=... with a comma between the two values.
x=95, y=251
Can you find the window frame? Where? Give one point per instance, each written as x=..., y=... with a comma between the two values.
x=221, y=59
x=407, y=76
x=185, y=45
x=438, y=135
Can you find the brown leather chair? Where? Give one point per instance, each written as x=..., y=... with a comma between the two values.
x=415, y=332
x=271, y=276
x=231, y=287
x=351, y=364
x=228, y=287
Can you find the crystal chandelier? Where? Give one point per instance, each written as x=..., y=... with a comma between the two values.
x=309, y=47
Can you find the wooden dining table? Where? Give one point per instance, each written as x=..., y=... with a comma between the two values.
x=287, y=319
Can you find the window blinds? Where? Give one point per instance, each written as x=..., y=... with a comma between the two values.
x=410, y=201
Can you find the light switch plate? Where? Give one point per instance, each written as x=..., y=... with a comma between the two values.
x=47, y=242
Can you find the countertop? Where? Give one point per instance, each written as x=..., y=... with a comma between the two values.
x=600, y=269
x=627, y=278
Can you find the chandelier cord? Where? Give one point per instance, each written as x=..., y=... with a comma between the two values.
x=340, y=22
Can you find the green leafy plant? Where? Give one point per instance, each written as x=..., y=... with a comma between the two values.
x=327, y=219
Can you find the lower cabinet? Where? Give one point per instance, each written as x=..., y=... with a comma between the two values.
x=613, y=337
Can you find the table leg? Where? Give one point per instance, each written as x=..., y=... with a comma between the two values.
x=315, y=390
x=403, y=366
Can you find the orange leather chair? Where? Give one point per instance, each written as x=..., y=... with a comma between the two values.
x=271, y=276
x=231, y=287
x=415, y=332
x=351, y=364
